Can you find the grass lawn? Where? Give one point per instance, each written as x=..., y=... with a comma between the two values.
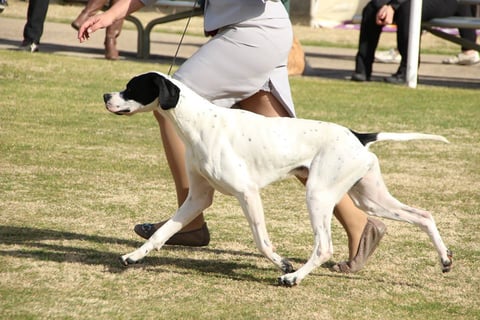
x=74, y=179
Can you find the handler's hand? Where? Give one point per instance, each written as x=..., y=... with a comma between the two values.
x=93, y=23
x=385, y=15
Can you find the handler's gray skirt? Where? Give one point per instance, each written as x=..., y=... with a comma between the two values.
x=241, y=60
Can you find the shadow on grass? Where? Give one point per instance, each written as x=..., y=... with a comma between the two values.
x=54, y=48
x=62, y=246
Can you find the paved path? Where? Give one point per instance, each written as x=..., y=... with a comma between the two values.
x=335, y=63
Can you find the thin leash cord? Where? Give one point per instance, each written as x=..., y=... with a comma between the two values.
x=181, y=39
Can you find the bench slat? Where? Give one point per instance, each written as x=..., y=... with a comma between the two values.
x=454, y=22
x=471, y=2
x=175, y=3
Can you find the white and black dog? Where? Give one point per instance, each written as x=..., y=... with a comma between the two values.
x=238, y=152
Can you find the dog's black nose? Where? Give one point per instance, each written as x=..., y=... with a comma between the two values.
x=106, y=97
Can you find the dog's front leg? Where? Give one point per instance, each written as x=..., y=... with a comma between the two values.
x=320, y=209
x=199, y=198
x=251, y=204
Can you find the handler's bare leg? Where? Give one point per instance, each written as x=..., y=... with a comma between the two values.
x=195, y=233
x=175, y=153
x=353, y=221
x=364, y=234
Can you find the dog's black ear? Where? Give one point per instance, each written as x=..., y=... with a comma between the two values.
x=168, y=93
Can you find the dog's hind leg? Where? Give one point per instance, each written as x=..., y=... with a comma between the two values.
x=252, y=207
x=329, y=180
x=371, y=195
x=200, y=197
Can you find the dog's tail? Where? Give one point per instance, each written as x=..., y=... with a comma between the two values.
x=369, y=138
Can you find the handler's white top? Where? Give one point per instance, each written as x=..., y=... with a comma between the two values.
x=249, y=53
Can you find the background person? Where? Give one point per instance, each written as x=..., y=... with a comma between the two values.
x=33, y=30
x=378, y=13
x=465, y=57
x=111, y=33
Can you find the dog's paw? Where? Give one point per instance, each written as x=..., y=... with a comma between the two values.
x=288, y=280
x=126, y=261
x=287, y=266
x=447, y=264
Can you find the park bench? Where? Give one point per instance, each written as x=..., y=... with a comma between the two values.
x=189, y=9
x=437, y=26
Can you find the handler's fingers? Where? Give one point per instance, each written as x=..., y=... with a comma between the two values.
x=84, y=32
x=88, y=27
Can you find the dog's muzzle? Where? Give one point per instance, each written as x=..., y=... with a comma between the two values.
x=107, y=97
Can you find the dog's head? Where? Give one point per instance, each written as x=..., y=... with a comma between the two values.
x=145, y=92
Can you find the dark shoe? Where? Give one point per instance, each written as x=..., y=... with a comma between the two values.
x=396, y=78
x=372, y=234
x=28, y=46
x=3, y=4
x=194, y=238
x=359, y=77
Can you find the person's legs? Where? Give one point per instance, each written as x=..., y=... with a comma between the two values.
x=353, y=221
x=175, y=154
x=430, y=9
x=196, y=233
x=36, y=14
x=367, y=44
x=402, y=19
x=468, y=34
x=111, y=34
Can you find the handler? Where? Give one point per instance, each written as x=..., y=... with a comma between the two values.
x=243, y=65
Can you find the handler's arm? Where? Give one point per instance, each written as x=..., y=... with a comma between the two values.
x=118, y=11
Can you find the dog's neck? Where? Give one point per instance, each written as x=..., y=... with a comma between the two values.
x=190, y=113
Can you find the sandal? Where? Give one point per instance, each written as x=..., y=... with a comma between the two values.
x=372, y=234
x=194, y=238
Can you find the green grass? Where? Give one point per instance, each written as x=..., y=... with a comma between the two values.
x=74, y=179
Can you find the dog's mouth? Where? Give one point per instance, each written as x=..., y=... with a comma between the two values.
x=116, y=110
x=114, y=107
x=121, y=112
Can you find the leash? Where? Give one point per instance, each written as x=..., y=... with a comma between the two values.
x=183, y=36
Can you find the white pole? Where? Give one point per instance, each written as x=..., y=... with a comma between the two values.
x=414, y=42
